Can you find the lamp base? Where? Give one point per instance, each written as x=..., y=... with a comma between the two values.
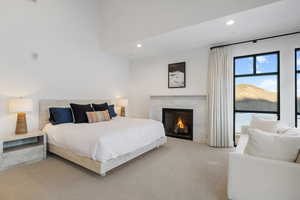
x=123, y=111
x=21, y=127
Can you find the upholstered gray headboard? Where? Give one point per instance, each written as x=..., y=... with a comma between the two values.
x=45, y=104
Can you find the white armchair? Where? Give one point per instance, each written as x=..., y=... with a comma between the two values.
x=254, y=178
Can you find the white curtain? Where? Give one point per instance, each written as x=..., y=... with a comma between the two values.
x=220, y=98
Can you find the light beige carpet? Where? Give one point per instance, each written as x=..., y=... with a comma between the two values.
x=180, y=170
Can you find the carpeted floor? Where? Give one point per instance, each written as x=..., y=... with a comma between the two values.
x=180, y=170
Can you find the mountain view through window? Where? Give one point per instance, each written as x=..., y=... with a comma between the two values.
x=256, y=87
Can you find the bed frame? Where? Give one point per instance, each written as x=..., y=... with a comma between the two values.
x=86, y=162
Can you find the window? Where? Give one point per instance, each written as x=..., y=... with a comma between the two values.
x=256, y=88
x=297, y=85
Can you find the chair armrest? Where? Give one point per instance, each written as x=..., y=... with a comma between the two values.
x=242, y=143
x=256, y=178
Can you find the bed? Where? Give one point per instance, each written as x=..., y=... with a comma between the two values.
x=101, y=146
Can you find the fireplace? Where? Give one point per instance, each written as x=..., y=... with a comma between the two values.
x=178, y=122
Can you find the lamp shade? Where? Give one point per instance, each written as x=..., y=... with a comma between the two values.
x=20, y=105
x=122, y=102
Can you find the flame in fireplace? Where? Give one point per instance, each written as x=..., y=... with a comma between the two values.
x=180, y=123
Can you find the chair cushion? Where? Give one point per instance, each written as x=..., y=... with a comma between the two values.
x=263, y=124
x=274, y=146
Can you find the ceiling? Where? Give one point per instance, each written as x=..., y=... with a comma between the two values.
x=127, y=21
x=271, y=18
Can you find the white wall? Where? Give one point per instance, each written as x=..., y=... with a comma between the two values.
x=150, y=77
x=286, y=46
x=70, y=65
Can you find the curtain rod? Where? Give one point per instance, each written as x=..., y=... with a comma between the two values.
x=255, y=40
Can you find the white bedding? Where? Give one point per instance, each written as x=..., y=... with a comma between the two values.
x=106, y=140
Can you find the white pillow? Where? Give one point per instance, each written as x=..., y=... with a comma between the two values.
x=282, y=127
x=283, y=147
x=291, y=131
x=263, y=124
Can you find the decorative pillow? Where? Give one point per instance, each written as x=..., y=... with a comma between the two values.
x=298, y=158
x=79, y=112
x=97, y=116
x=94, y=117
x=111, y=110
x=100, y=107
x=60, y=115
x=106, y=115
x=283, y=147
x=282, y=127
x=291, y=131
x=51, y=118
x=263, y=124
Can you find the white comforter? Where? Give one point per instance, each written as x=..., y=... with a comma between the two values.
x=105, y=140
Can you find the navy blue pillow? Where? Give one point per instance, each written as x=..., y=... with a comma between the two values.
x=111, y=111
x=100, y=107
x=80, y=111
x=51, y=118
x=60, y=115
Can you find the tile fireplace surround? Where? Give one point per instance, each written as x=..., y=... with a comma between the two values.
x=196, y=102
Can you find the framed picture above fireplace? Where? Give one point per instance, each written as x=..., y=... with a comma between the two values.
x=176, y=75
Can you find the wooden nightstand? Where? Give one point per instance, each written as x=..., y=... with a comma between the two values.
x=16, y=150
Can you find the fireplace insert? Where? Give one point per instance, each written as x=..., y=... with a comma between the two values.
x=178, y=122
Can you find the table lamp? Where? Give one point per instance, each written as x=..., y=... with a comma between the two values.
x=123, y=103
x=20, y=106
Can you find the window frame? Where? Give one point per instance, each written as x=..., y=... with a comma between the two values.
x=296, y=87
x=255, y=74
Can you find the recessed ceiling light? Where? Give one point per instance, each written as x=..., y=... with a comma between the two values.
x=230, y=22
x=139, y=45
